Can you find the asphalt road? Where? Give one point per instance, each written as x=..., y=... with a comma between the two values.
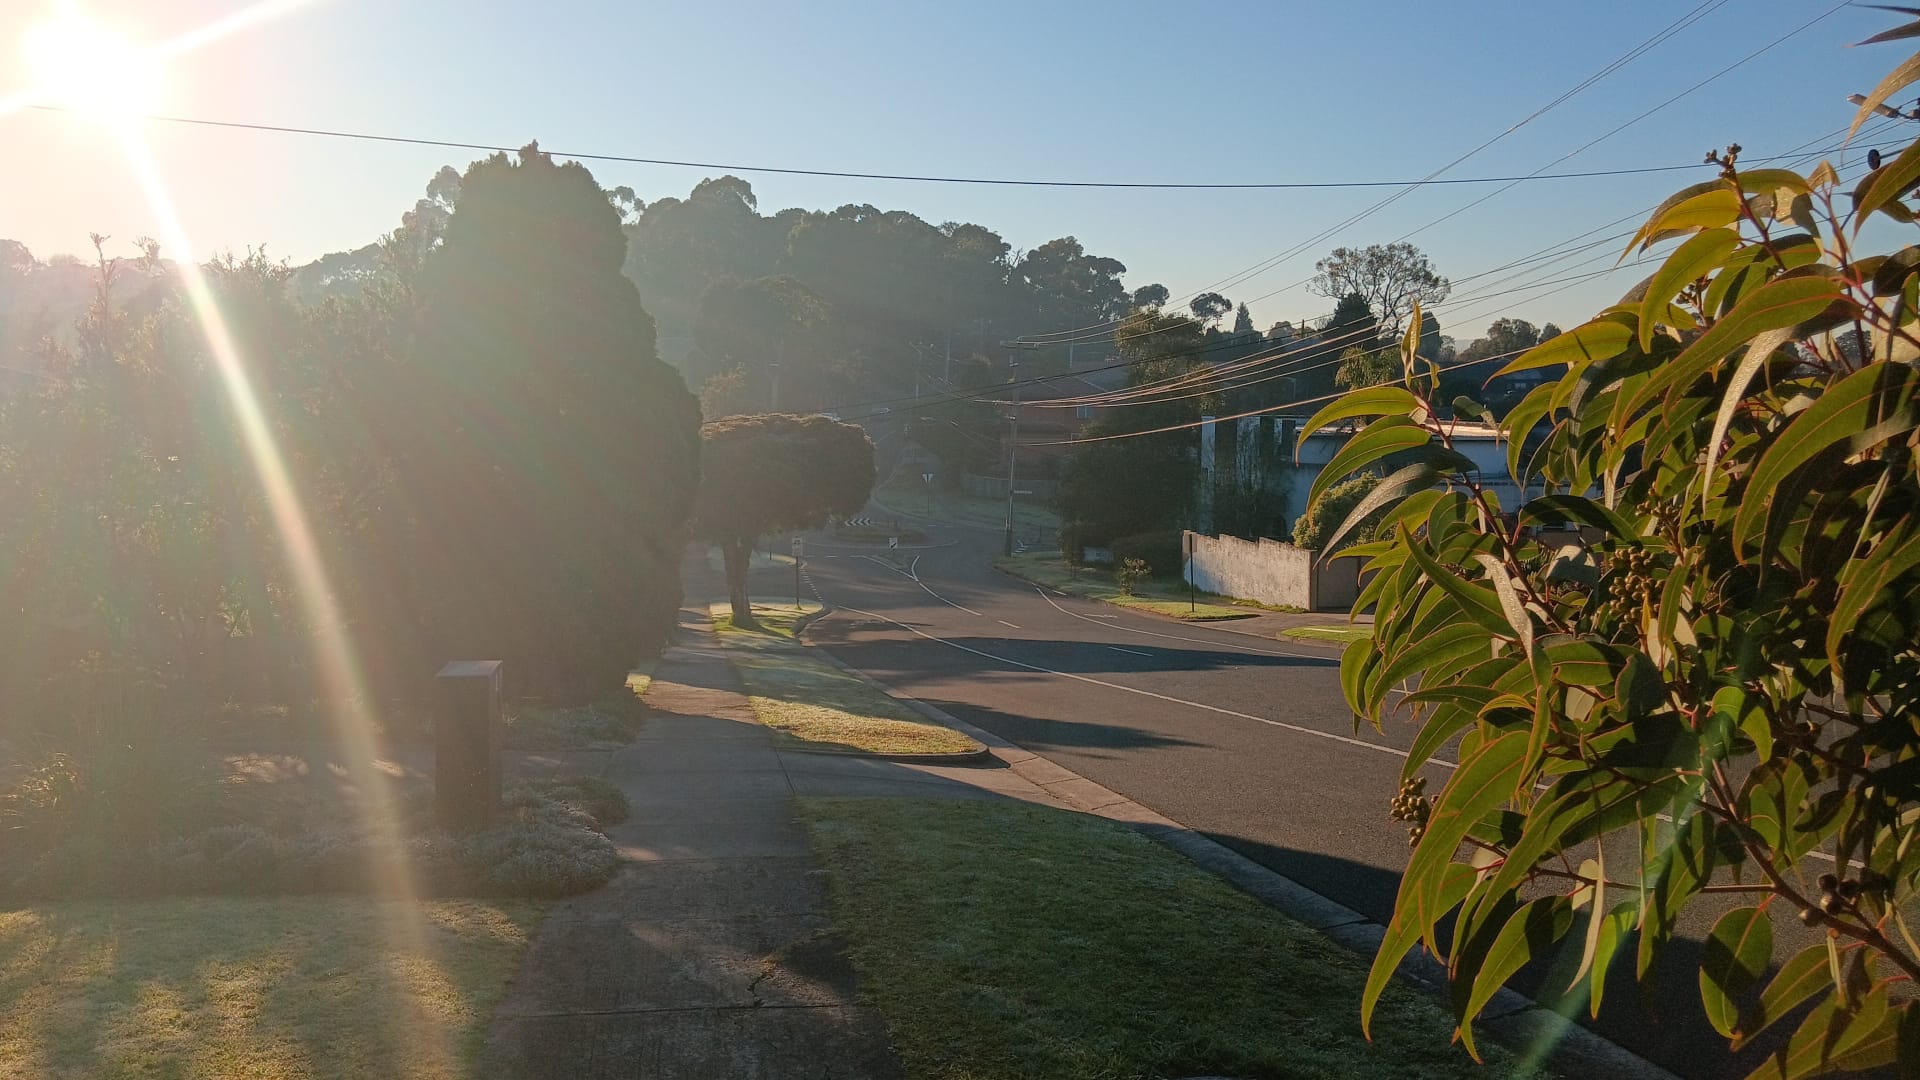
x=1241, y=738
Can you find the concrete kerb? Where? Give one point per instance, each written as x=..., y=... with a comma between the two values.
x=1511, y=1017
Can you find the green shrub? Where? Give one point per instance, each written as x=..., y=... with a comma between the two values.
x=581, y=727
x=137, y=793
x=1164, y=552
x=1324, y=514
x=1130, y=574
x=1073, y=544
x=599, y=799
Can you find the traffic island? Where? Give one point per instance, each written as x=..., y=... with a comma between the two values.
x=817, y=707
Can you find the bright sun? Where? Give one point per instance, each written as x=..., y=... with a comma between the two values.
x=76, y=63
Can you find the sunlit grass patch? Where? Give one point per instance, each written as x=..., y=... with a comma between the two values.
x=816, y=705
x=1094, y=583
x=288, y=987
x=1340, y=634
x=1024, y=943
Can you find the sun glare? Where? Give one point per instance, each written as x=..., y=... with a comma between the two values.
x=76, y=63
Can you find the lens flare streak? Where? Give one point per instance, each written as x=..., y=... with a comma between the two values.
x=333, y=651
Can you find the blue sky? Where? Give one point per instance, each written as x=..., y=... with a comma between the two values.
x=1229, y=92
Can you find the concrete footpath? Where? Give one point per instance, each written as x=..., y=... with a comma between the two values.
x=711, y=954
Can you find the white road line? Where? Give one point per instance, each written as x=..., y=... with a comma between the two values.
x=1004, y=622
x=1129, y=652
x=1009, y=661
x=923, y=585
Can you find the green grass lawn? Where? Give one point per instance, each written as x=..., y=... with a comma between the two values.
x=258, y=987
x=1007, y=941
x=1095, y=583
x=906, y=495
x=816, y=705
x=1338, y=634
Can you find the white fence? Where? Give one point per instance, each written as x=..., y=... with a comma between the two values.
x=1271, y=572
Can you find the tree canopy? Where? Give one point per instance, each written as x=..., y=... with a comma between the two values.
x=775, y=472
x=1391, y=278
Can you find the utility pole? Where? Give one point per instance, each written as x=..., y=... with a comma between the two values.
x=1013, y=438
x=778, y=359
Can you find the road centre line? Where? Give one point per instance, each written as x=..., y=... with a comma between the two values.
x=1009, y=661
x=1129, y=652
x=916, y=580
x=1004, y=622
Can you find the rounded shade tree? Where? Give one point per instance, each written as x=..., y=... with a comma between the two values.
x=1712, y=706
x=774, y=472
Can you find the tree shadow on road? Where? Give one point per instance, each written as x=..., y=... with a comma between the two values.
x=1043, y=734
x=860, y=643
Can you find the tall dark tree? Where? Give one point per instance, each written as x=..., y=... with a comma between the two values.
x=773, y=332
x=1210, y=307
x=1064, y=287
x=1352, y=326
x=1243, y=322
x=1430, y=337
x=775, y=472
x=1151, y=296
x=550, y=456
x=1143, y=482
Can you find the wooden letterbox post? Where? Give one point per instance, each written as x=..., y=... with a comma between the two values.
x=466, y=745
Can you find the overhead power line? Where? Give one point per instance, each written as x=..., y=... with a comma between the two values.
x=1150, y=185
x=1279, y=353
x=1688, y=19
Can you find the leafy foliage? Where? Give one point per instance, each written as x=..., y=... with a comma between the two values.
x=1143, y=482
x=550, y=455
x=1721, y=695
x=1363, y=367
x=775, y=472
x=1130, y=573
x=1393, y=279
x=1164, y=552
x=1331, y=509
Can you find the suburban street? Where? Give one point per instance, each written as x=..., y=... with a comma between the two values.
x=1244, y=739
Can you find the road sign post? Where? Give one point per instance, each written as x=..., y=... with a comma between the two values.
x=798, y=550
x=1190, y=603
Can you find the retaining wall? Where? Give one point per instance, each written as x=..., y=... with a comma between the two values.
x=1271, y=572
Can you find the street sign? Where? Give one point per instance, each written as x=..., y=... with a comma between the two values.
x=893, y=541
x=797, y=547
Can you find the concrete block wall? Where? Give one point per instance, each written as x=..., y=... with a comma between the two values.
x=1270, y=572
